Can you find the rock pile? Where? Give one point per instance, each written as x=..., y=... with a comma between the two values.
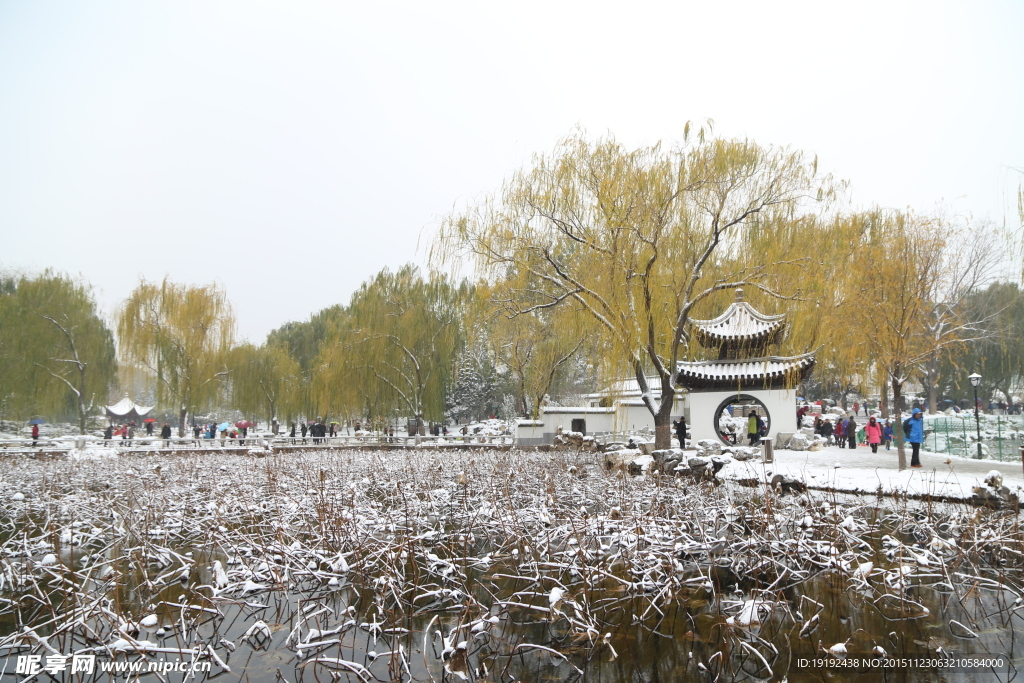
x=997, y=495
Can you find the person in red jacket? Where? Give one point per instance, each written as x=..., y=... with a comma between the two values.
x=873, y=431
x=35, y=434
x=840, y=433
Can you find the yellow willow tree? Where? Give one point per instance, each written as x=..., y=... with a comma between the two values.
x=637, y=239
x=50, y=327
x=537, y=349
x=181, y=334
x=895, y=260
x=265, y=382
x=395, y=347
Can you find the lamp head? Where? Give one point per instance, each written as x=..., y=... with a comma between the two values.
x=975, y=379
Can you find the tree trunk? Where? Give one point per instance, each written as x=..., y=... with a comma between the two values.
x=82, y=411
x=663, y=420
x=898, y=427
x=932, y=378
x=182, y=414
x=884, y=403
x=662, y=431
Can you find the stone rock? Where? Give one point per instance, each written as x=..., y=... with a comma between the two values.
x=573, y=441
x=996, y=499
x=807, y=431
x=782, y=439
x=698, y=463
x=816, y=446
x=667, y=460
x=718, y=462
x=799, y=442
x=743, y=453
x=619, y=460
x=640, y=464
x=787, y=484
x=711, y=446
x=994, y=479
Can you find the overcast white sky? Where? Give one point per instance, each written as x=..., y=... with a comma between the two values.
x=289, y=150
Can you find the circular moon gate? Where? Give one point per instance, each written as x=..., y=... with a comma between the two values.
x=746, y=402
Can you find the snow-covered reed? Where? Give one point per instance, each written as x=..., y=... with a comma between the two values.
x=486, y=565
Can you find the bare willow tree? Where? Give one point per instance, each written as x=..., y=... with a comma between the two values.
x=181, y=334
x=970, y=260
x=57, y=345
x=637, y=239
x=265, y=382
x=395, y=347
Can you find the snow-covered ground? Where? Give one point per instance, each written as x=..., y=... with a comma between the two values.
x=861, y=470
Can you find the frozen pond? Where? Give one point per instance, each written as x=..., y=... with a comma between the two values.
x=487, y=566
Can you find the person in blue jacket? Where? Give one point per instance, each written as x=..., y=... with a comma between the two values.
x=914, y=430
x=887, y=435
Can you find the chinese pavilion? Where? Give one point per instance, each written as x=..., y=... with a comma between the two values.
x=744, y=372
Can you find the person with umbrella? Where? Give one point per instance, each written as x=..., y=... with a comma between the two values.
x=223, y=428
x=149, y=427
x=243, y=425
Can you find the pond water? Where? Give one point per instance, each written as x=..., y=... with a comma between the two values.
x=491, y=566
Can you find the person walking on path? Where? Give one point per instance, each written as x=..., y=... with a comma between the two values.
x=165, y=434
x=851, y=433
x=753, y=429
x=681, y=432
x=873, y=430
x=35, y=434
x=887, y=435
x=840, y=434
x=913, y=429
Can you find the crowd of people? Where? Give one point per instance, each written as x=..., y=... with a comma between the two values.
x=846, y=433
x=318, y=431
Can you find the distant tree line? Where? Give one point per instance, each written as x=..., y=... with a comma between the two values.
x=585, y=267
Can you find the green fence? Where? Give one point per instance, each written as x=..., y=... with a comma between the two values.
x=1000, y=436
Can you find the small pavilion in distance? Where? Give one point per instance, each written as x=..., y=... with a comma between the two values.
x=744, y=375
x=127, y=410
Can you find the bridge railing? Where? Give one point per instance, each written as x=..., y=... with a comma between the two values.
x=146, y=442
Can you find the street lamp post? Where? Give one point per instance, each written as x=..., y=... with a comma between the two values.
x=975, y=381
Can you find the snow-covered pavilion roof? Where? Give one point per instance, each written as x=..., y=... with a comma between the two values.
x=127, y=408
x=740, y=323
x=754, y=373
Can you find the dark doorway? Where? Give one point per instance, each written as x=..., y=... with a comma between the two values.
x=579, y=425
